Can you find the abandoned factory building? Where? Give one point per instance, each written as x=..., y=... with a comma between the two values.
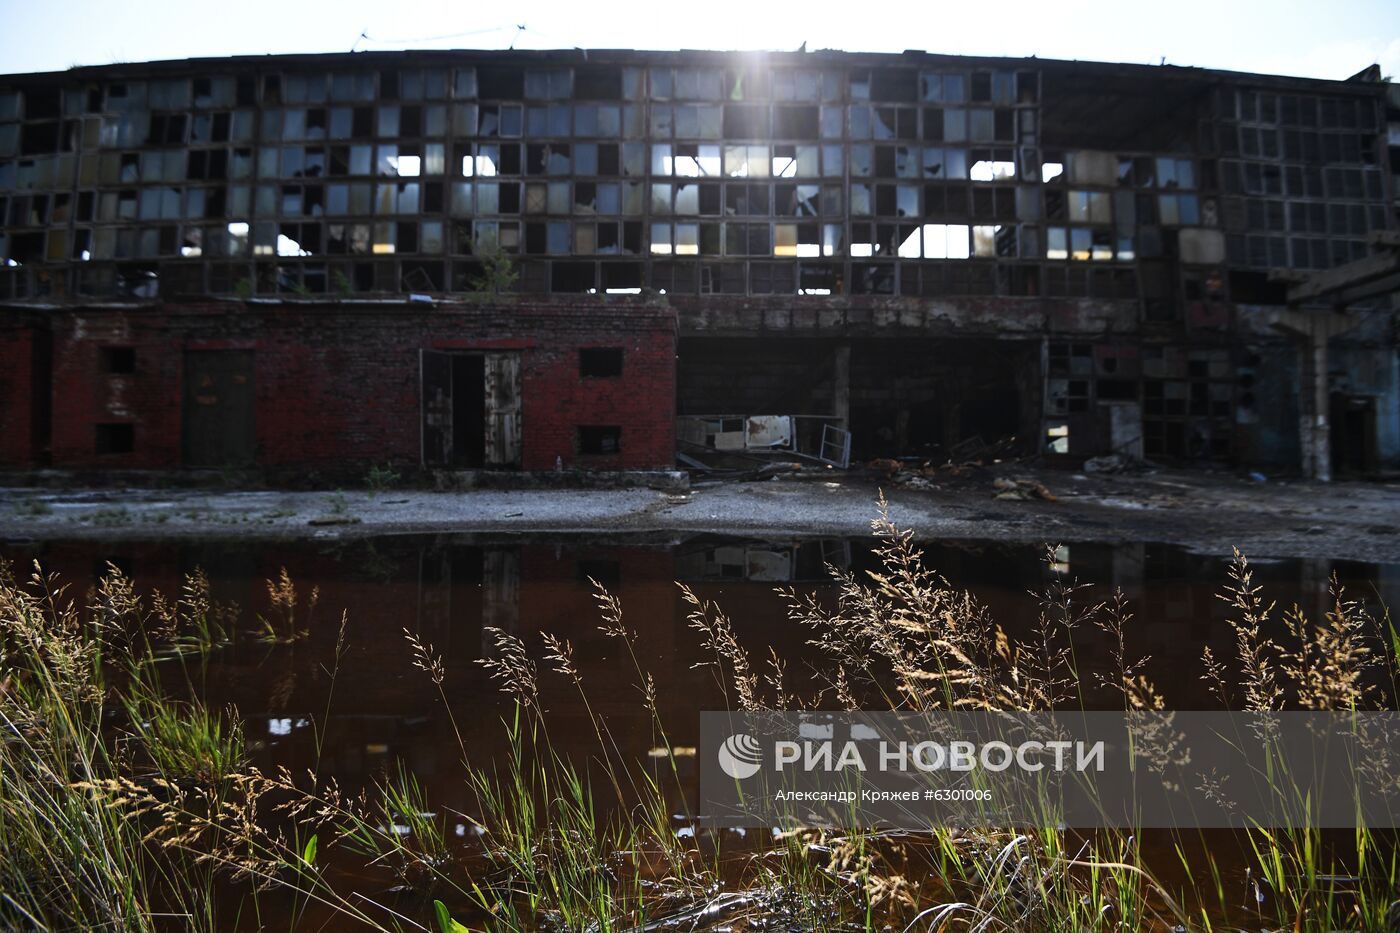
x=606, y=259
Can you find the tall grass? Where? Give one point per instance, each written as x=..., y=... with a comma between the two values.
x=125, y=807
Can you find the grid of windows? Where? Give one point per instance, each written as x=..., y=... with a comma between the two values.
x=688, y=178
x=1302, y=178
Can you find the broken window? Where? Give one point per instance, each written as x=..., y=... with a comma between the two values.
x=598, y=83
x=796, y=122
x=746, y=161
x=998, y=241
x=909, y=245
x=946, y=241
x=819, y=279
x=993, y=169
x=687, y=199
x=693, y=161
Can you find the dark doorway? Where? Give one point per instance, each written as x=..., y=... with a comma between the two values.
x=1353, y=434
x=218, y=408
x=471, y=409
x=468, y=411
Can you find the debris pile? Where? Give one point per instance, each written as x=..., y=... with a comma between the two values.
x=1115, y=463
x=1022, y=489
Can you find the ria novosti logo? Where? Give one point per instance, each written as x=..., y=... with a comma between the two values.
x=740, y=756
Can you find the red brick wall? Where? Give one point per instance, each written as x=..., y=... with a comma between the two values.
x=338, y=384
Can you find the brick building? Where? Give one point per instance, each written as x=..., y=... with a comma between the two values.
x=225, y=261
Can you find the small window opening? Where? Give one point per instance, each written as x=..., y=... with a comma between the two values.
x=117, y=360
x=599, y=439
x=116, y=438
x=600, y=362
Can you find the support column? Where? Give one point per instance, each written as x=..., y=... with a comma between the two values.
x=1320, y=438
x=1313, y=329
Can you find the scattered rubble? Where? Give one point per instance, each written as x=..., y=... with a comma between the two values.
x=1115, y=463
x=1023, y=489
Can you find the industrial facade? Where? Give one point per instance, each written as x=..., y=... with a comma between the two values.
x=583, y=259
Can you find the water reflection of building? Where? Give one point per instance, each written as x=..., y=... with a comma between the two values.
x=448, y=589
x=763, y=561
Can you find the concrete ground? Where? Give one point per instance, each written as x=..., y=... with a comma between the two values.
x=1207, y=512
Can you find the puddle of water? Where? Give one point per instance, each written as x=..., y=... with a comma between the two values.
x=448, y=590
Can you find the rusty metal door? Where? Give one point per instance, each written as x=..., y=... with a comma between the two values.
x=435, y=371
x=218, y=408
x=503, y=409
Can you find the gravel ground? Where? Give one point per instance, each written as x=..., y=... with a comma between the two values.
x=1208, y=512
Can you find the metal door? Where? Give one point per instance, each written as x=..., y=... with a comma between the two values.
x=218, y=408
x=503, y=409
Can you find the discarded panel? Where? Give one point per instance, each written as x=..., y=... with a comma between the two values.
x=836, y=446
x=764, y=431
x=691, y=431
x=729, y=440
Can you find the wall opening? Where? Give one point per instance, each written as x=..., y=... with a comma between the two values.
x=599, y=439
x=600, y=362
x=116, y=438
x=471, y=409
x=468, y=411
x=116, y=361
x=1353, y=423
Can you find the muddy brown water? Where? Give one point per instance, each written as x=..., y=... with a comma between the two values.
x=358, y=714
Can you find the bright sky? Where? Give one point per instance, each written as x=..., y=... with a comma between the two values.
x=1316, y=38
